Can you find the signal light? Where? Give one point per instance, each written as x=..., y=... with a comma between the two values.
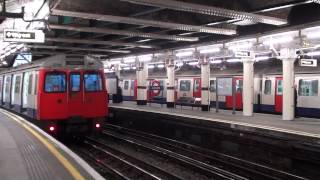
x=97, y=125
x=52, y=128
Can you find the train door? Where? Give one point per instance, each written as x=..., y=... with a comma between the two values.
x=238, y=83
x=75, y=95
x=197, y=88
x=278, y=94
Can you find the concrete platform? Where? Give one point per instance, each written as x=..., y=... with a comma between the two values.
x=308, y=127
x=26, y=152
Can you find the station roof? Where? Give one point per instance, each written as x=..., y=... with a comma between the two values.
x=114, y=28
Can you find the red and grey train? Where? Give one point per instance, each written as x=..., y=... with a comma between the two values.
x=267, y=87
x=64, y=94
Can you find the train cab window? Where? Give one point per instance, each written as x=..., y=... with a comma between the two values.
x=308, y=87
x=239, y=84
x=92, y=82
x=279, y=87
x=126, y=85
x=185, y=85
x=17, y=85
x=55, y=82
x=213, y=86
x=36, y=83
x=267, y=87
x=75, y=82
x=30, y=84
x=196, y=85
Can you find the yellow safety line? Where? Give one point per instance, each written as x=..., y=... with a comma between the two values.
x=71, y=169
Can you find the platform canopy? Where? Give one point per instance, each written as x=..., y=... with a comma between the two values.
x=116, y=28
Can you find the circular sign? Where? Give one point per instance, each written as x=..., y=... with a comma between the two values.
x=155, y=88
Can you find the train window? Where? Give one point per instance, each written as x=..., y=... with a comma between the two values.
x=30, y=83
x=126, y=85
x=55, y=82
x=196, y=85
x=92, y=82
x=308, y=87
x=213, y=86
x=267, y=87
x=239, y=83
x=185, y=85
x=279, y=87
x=17, y=85
x=75, y=82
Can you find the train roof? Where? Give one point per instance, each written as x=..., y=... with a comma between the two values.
x=61, y=61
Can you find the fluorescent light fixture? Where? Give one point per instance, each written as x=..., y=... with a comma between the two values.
x=108, y=70
x=126, y=68
x=234, y=60
x=311, y=33
x=315, y=53
x=144, y=40
x=134, y=68
x=215, y=61
x=262, y=58
x=278, y=40
x=184, y=54
x=193, y=63
x=145, y=58
x=209, y=50
x=241, y=44
x=115, y=62
x=179, y=64
x=151, y=66
x=129, y=59
x=160, y=66
x=4, y=63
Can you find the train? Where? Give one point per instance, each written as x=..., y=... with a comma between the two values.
x=63, y=94
x=267, y=86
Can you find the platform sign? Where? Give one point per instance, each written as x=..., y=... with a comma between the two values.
x=14, y=35
x=308, y=62
x=224, y=86
x=242, y=54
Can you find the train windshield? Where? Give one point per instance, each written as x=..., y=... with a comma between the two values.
x=92, y=82
x=55, y=82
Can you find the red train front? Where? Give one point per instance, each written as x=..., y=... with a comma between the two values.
x=69, y=94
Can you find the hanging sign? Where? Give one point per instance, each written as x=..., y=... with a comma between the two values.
x=15, y=35
x=242, y=54
x=308, y=62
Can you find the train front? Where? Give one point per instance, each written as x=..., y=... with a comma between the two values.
x=73, y=97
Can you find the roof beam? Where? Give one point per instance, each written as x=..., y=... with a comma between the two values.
x=87, y=41
x=144, y=22
x=78, y=49
x=124, y=33
x=210, y=10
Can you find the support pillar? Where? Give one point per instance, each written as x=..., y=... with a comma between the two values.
x=288, y=57
x=142, y=75
x=205, y=81
x=248, y=85
x=170, y=83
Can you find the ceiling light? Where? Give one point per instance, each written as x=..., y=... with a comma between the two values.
x=193, y=63
x=216, y=61
x=151, y=66
x=145, y=58
x=115, y=62
x=207, y=51
x=126, y=68
x=311, y=33
x=129, y=59
x=315, y=53
x=278, y=40
x=184, y=54
x=262, y=58
x=234, y=60
x=134, y=68
x=160, y=65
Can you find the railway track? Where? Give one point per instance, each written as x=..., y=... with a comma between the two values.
x=211, y=163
